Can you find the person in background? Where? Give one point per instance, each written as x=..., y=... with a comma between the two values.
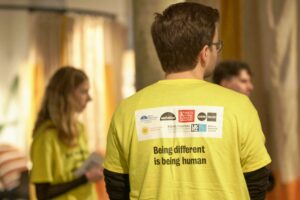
x=183, y=137
x=14, y=181
x=234, y=75
x=237, y=75
x=59, y=144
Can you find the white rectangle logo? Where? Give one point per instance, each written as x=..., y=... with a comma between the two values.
x=179, y=122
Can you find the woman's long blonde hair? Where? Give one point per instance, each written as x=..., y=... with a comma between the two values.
x=58, y=103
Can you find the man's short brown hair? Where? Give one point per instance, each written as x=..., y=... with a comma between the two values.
x=180, y=33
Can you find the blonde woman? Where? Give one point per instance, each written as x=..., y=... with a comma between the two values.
x=59, y=145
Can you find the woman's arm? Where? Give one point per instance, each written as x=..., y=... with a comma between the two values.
x=45, y=191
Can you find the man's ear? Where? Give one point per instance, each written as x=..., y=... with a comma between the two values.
x=203, y=56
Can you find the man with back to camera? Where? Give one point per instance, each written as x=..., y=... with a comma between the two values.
x=170, y=141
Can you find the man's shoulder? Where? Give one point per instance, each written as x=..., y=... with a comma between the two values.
x=220, y=92
x=223, y=91
x=136, y=96
x=216, y=94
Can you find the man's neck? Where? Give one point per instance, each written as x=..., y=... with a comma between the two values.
x=191, y=74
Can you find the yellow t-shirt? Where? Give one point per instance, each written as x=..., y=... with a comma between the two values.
x=53, y=162
x=186, y=139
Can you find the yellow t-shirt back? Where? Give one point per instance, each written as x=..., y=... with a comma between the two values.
x=186, y=139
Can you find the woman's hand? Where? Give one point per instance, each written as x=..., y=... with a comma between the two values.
x=94, y=174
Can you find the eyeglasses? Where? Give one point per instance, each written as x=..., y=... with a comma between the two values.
x=219, y=45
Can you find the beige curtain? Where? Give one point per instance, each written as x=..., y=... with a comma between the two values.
x=96, y=45
x=230, y=29
x=13, y=60
x=44, y=54
x=270, y=44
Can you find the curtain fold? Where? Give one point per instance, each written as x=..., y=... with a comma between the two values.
x=13, y=59
x=280, y=32
x=96, y=45
x=230, y=29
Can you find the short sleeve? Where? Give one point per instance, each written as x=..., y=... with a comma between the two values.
x=114, y=159
x=254, y=154
x=41, y=157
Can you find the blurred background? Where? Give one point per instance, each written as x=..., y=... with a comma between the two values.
x=111, y=42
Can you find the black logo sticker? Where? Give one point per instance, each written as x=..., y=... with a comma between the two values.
x=201, y=116
x=211, y=117
x=167, y=116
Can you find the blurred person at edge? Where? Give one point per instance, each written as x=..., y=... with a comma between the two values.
x=180, y=138
x=14, y=176
x=237, y=75
x=59, y=144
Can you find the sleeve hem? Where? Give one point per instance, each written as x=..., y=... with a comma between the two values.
x=34, y=181
x=257, y=166
x=116, y=170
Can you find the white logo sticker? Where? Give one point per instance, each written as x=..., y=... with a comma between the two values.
x=179, y=122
